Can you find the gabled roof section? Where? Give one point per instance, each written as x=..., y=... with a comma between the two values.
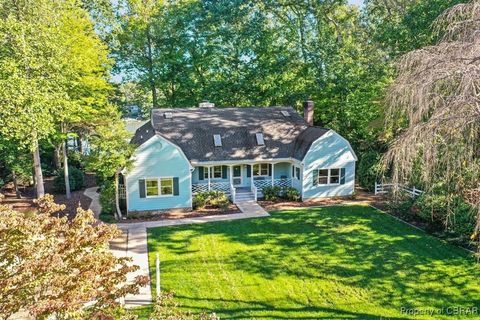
x=305, y=139
x=192, y=130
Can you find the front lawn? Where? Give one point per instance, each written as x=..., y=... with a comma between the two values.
x=343, y=262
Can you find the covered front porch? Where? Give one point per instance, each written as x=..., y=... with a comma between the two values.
x=254, y=176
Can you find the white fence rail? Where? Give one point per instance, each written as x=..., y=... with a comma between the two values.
x=383, y=188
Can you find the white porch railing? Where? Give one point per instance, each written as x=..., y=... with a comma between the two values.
x=387, y=187
x=283, y=183
x=214, y=186
x=254, y=191
x=233, y=193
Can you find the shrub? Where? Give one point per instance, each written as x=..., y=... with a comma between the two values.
x=107, y=197
x=368, y=169
x=450, y=213
x=271, y=193
x=76, y=178
x=200, y=200
x=402, y=206
x=216, y=199
x=291, y=194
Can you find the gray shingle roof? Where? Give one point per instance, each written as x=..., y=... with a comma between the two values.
x=192, y=130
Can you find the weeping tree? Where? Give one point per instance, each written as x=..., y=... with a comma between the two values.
x=433, y=109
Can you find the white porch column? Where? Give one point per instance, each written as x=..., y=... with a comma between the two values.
x=273, y=173
x=292, y=173
x=208, y=178
x=251, y=176
x=231, y=174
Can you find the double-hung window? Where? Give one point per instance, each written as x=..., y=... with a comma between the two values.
x=151, y=186
x=262, y=169
x=159, y=187
x=328, y=176
x=166, y=186
x=216, y=172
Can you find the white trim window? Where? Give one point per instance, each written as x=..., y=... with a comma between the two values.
x=216, y=172
x=157, y=187
x=166, y=186
x=329, y=176
x=151, y=187
x=261, y=170
x=334, y=177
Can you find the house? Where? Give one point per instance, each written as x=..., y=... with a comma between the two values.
x=239, y=151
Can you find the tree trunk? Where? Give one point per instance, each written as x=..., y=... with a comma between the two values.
x=56, y=156
x=38, y=171
x=15, y=184
x=65, y=170
x=118, y=214
x=80, y=145
x=151, y=80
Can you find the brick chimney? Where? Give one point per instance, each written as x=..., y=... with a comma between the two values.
x=206, y=104
x=308, y=111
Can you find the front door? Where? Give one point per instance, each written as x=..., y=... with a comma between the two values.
x=237, y=175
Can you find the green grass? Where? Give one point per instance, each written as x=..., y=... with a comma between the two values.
x=343, y=262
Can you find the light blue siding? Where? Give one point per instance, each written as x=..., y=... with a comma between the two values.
x=158, y=158
x=195, y=177
x=329, y=151
x=282, y=169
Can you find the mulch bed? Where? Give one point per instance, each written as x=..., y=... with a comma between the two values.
x=27, y=192
x=179, y=214
x=77, y=199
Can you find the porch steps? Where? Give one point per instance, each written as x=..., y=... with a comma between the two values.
x=244, y=194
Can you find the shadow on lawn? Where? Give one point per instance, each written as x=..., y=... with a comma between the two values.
x=270, y=311
x=353, y=245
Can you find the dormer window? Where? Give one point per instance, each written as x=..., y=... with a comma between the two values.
x=217, y=140
x=168, y=115
x=260, y=140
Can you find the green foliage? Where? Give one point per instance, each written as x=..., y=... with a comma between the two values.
x=110, y=149
x=369, y=169
x=107, y=197
x=75, y=176
x=291, y=194
x=449, y=213
x=271, y=193
x=216, y=199
x=401, y=205
x=402, y=26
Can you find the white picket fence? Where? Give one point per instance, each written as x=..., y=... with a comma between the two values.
x=383, y=188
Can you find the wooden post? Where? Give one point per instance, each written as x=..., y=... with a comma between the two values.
x=376, y=185
x=157, y=267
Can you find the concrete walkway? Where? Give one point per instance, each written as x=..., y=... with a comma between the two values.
x=95, y=196
x=135, y=245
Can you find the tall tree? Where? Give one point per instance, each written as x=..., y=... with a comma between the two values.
x=31, y=77
x=110, y=153
x=52, y=68
x=434, y=107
